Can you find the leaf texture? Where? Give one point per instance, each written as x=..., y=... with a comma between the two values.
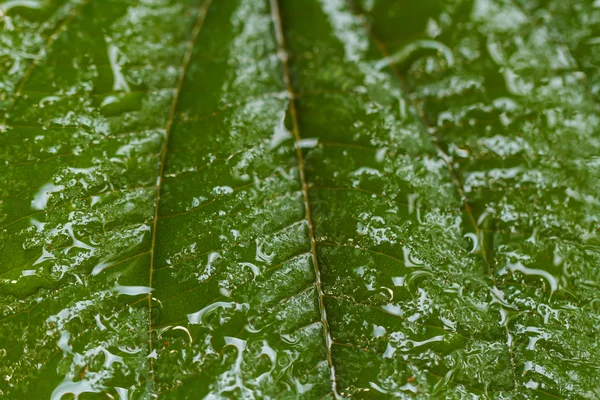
x=299, y=199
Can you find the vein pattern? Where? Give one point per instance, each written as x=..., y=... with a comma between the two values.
x=393, y=199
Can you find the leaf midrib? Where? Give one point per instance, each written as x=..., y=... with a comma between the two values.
x=282, y=49
x=202, y=12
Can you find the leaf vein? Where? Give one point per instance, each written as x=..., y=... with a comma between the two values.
x=300, y=158
x=186, y=61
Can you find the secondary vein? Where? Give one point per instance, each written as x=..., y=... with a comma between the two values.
x=454, y=175
x=297, y=138
x=186, y=61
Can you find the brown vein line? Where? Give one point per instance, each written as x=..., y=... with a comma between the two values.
x=186, y=61
x=276, y=14
x=455, y=177
x=39, y=57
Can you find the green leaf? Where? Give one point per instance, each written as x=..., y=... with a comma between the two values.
x=299, y=199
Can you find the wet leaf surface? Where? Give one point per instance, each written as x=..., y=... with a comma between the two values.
x=299, y=199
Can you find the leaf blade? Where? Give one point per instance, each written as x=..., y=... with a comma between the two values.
x=430, y=261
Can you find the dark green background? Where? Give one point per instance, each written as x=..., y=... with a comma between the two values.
x=244, y=199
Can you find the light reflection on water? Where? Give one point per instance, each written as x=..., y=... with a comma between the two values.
x=449, y=167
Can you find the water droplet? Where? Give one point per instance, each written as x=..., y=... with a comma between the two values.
x=40, y=199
